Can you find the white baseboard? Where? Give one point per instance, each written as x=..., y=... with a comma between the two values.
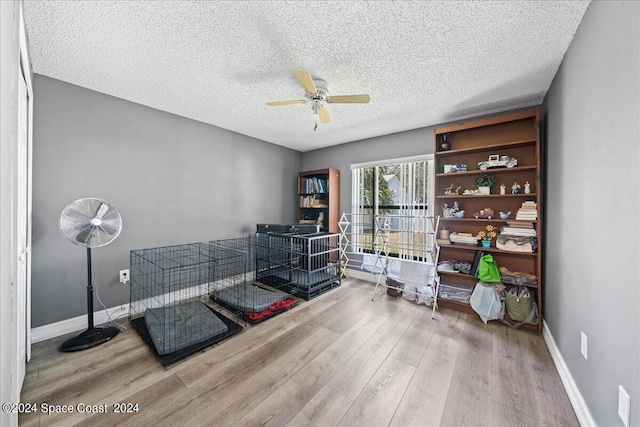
x=575, y=397
x=79, y=323
x=63, y=327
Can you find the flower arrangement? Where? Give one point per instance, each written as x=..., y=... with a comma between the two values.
x=488, y=234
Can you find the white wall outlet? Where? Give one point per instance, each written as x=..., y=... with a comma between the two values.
x=583, y=344
x=124, y=276
x=624, y=405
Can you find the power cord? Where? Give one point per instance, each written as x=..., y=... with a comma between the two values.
x=112, y=322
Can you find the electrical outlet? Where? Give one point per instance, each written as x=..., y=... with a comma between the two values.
x=124, y=276
x=624, y=405
x=583, y=344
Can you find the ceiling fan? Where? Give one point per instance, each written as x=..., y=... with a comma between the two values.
x=316, y=92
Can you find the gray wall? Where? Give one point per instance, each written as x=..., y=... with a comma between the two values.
x=174, y=181
x=592, y=234
x=398, y=145
x=404, y=144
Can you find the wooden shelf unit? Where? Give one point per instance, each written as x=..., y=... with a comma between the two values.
x=319, y=191
x=515, y=135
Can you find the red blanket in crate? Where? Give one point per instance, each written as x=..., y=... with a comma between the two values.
x=274, y=308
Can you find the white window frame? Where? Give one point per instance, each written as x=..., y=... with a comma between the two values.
x=358, y=212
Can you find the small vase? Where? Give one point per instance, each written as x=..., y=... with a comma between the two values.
x=486, y=243
x=445, y=145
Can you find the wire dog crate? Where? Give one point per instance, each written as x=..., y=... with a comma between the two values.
x=234, y=286
x=169, y=287
x=304, y=265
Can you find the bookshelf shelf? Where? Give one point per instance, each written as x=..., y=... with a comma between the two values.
x=461, y=247
x=515, y=169
x=489, y=196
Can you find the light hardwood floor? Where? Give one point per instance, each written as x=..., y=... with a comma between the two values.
x=340, y=359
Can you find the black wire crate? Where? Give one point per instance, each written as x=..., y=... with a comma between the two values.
x=304, y=265
x=169, y=288
x=234, y=283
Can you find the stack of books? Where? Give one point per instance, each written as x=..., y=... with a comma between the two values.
x=528, y=211
x=314, y=185
x=464, y=239
x=519, y=228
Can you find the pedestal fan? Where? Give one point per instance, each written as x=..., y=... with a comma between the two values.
x=90, y=223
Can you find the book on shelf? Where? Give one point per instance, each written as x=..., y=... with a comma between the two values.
x=521, y=232
x=314, y=185
x=528, y=210
x=476, y=263
x=525, y=216
x=520, y=227
x=520, y=224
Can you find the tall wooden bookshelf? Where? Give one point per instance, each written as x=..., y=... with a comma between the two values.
x=514, y=135
x=319, y=192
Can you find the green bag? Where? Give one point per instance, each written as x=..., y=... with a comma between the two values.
x=520, y=304
x=488, y=269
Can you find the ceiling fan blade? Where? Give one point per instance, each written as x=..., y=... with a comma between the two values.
x=292, y=102
x=349, y=99
x=323, y=114
x=306, y=81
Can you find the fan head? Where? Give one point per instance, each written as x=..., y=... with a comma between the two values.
x=90, y=222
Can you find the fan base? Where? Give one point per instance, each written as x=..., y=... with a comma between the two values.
x=89, y=338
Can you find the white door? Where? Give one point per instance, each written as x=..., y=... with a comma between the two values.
x=22, y=246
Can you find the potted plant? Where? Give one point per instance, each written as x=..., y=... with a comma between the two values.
x=484, y=184
x=487, y=235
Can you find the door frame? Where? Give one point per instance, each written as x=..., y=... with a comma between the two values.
x=24, y=70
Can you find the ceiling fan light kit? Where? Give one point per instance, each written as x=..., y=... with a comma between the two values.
x=316, y=92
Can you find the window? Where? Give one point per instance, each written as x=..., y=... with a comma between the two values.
x=400, y=188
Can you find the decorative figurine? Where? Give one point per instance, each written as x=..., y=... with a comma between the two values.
x=446, y=211
x=452, y=190
x=484, y=213
x=505, y=215
x=320, y=219
x=527, y=187
x=503, y=189
x=515, y=188
x=498, y=161
x=450, y=212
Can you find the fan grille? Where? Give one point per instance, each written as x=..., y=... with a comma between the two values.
x=90, y=222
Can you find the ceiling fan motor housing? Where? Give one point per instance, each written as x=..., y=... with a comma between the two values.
x=322, y=91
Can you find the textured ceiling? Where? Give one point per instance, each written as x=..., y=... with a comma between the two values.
x=423, y=63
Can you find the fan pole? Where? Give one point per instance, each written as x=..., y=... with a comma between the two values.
x=89, y=289
x=92, y=336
